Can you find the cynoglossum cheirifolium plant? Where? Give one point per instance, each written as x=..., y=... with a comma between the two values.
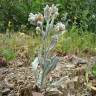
x=44, y=62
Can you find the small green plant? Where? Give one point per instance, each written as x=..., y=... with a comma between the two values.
x=77, y=42
x=8, y=54
x=44, y=63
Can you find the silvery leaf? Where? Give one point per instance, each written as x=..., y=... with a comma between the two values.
x=53, y=42
x=47, y=28
x=51, y=24
x=41, y=62
x=60, y=82
x=35, y=63
x=48, y=67
x=39, y=78
x=43, y=34
x=47, y=13
x=47, y=62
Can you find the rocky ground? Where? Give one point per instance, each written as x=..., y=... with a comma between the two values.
x=17, y=79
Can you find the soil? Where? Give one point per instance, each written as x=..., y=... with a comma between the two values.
x=17, y=79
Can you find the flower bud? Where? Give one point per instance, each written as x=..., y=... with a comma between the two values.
x=39, y=23
x=39, y=17
x=38, y=29
x=60, y=27
x=32, y=18
x=54, y=11
x=50, y=12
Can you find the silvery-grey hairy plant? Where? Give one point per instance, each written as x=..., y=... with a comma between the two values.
x=44, y=62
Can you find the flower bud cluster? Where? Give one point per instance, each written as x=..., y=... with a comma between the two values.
x=59, y=27
x=50, y=13
x=36, y=19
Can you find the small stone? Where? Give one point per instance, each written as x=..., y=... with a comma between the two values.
x=11, y=93
x=5, y=91
x=37, y=94
x=81, y=62
x=54, y=92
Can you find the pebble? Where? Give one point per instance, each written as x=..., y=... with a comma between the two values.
x=37, y=94
x=5, y=91
x=11, y=93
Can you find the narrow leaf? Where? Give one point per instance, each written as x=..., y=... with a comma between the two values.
x=53, y=42
x=51, y=66
x=35, y=63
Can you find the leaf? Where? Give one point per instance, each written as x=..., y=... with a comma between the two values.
x=47, y=29
x=47, y=62
x=43, y=34
x=50, y=65
x=51, y=24
x=60, y=82
x=94, y=70
x=39, y=78
x=35, y=63
x=53, y=42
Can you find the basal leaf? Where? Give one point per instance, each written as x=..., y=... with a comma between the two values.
x=59, y=82
x=35, y=63
x=50, y=66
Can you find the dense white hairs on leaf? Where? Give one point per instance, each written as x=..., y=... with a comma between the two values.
x=35, y=63
x=53, y=42
x=47, y=13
